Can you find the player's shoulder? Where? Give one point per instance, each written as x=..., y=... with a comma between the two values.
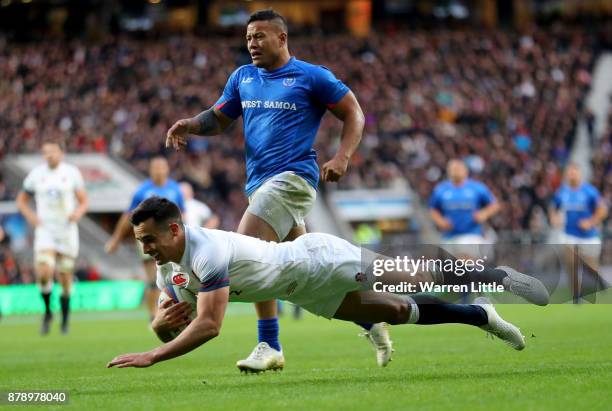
x=70, y=168
x=442, y=185
x=562, y=188
x=590, y=188
x=145, y=185
x=306, y=66
x=39, y=169
x=245, y=70
x=205, y=244
x=312, y=70
x=173, y=183
x=478, y=184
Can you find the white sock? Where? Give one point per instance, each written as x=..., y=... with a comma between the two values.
x=47, y=288
x=414, y=310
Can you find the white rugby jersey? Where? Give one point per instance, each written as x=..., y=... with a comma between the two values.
x=255, y=270
x=196, y=212
x=54, y=192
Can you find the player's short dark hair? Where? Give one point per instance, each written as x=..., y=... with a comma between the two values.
x=269, y=15
x=53, y=140
x=162, y=210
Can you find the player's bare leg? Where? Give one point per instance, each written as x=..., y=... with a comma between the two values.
x=394, y=309
x=65, y=276
x=268, y=353
x=583, y=271
x=44, y=270
x=151, y=290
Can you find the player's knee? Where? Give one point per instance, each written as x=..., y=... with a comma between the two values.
x=45, y=264
x=66, y=265
x=400, y=313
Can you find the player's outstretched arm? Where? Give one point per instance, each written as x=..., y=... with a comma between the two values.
x=350, y=113
x=121, y=229
x=205, y=327
x=208, y=123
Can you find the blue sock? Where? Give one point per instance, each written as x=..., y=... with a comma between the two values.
x=366, y=326
x=433, y=310
x=268, y=332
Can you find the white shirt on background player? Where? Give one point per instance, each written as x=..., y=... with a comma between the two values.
x=54, y=193
x=196, y=213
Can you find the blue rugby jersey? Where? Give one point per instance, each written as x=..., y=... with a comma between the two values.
x=171, y=191
x=577, y=204
x=459, y=203
x=282, y=111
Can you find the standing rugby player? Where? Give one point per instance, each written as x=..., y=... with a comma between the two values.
x=281, y=100
x=61, y=201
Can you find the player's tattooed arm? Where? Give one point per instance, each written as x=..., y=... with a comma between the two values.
x=207, y=123
x=211, y=122
x=205, y=327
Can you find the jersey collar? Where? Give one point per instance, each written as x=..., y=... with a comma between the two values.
x=264, y=72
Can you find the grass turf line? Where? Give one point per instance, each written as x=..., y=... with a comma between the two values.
x=568, y=364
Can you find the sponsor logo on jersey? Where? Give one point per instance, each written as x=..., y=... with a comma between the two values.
x=247, y=80
x=284, y=105
x=180, y=279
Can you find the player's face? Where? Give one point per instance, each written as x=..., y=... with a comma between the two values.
x=457, y=171
x=265, y=41
x=574, y=176
x=52, y=154
x=159, y=241
x=159, y=170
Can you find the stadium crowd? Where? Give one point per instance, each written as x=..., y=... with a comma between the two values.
x=506, y=103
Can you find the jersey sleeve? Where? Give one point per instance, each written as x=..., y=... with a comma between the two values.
x=79, y=182
x=211, y=267
x=556, y=200
x=29, y=183
x=434, y=200
x=229, y=102
x=594, y=198
x=486, y=197
x=137, y=198
x=326, y=88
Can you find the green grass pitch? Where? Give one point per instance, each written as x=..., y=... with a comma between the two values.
x=567, y=365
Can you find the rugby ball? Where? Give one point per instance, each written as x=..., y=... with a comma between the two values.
x=178, y=294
